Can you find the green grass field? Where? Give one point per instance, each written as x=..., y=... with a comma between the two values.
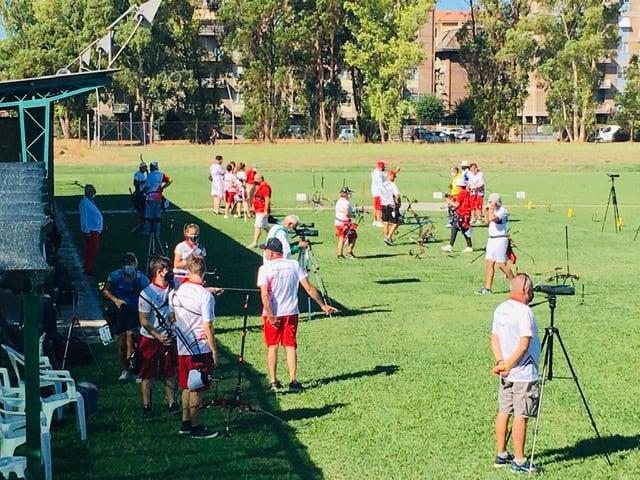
x=399, y=383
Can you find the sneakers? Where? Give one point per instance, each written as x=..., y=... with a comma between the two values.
x=484, y=291
x=350, y=256
x=295, y=387
x=467, y=250
x=525, y=467
x=389, y=241
x=174, y=408
x=276, y=386
x=203, y=432
x=447, y=248
x=185, y=428
x=147, y=413
x=503, y=461
x=340, y=257
x=124, y=376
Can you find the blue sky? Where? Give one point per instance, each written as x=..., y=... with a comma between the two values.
x=452, y=5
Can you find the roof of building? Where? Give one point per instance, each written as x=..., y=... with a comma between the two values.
x=451, y=15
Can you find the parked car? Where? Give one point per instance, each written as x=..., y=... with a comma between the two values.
x=295, y=132
x=347, y=133
x=607, y=134
x=428, y=137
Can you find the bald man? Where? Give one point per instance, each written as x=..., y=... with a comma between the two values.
x=281, y=231
x=516, y=349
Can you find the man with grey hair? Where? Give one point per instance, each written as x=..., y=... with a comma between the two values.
x=281, y=231
x=497, y=251
x=91, y=224
x=516, y=349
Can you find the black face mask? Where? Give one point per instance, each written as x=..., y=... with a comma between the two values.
x=169, y=276
x=193, y=238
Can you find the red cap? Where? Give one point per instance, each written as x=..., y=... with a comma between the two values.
x=380, y=164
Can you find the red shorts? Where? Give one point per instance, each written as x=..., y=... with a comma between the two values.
x=284, y=335
x=186, y=363
x=351, y=235
x=229, y=196
x=157, y=359
x=478, y=202
x=377, y=206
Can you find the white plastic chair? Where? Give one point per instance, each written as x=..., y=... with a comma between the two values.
x=9, y=465
x=13, y=433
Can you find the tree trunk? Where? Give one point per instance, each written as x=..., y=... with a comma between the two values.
x=151, y=120
x=333, y=118
x=322, y=119
x=382, y=131
x=65, y=126
x=632, y=130
x=575, y=107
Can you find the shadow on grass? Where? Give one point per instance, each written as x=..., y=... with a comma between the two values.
x=122, y=446
x=394, y=281
x=378, y=370
x=379, y=255
x=591, y=447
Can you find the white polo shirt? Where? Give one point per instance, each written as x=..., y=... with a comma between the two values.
x=388, y=192
x=159, y=297
x=343, y=211
x=90, y=216
x=476, y=183
x=281, y=278
x=217, y=174
x=511, y=321
x=193, y=305
x=185, y=249
x=499, y=228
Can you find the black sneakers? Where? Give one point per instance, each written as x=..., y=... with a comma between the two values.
x=275, y=386
x=185, y=428
x=295, y=387
x=203, y=432
x=147, y=413
x=174, y=409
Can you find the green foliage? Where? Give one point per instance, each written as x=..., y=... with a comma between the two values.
x=464, y=109
x=383, y=49
x=496, y=49
x=429, y=109
x=574, y=37
x=628, y=102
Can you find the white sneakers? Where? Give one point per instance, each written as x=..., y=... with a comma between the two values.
x=449, y=249
x=128, y=377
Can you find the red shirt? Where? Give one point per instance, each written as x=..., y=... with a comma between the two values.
x=262, y=192
x=251, y=173
x=464, y=200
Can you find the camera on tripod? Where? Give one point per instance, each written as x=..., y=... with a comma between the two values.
x=555, y=289
x=304, y=230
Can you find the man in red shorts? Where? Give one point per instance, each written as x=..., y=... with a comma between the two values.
x=261, y=207
x=278, y=281
x=159, y=355
x=194, y=310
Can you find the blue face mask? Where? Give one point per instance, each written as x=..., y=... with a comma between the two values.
x=129, y=272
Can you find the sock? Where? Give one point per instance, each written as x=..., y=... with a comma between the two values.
x=520, y=461
x=504, y=454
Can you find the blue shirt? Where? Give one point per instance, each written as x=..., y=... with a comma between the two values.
x=127, y=291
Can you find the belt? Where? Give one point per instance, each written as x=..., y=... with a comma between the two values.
x=499, y=236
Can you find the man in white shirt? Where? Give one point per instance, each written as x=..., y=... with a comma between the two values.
x=157, y=347
x=516, y=349
x=154, y=186
x=345, y=228
x=476, y=191
x=497, y=251
x=194, y=309
x=390, y=201
x=281, y=232
x=91, y=225
x=377, y=179
x=216, y=175
x=278, y=281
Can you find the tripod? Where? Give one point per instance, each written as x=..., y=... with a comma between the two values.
x=154, y=246
x=308, y=261
x=613, y=200
x=75, y=322
x=550, y=333
x=236, y=402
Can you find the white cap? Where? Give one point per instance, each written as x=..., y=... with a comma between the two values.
x=154, y=163
x=464, y=163
x=495, y=197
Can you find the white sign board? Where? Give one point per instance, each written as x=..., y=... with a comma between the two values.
x=301, y=197
x=521, y=195
x=437, y=195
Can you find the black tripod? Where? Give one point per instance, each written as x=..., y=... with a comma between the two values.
x=613, y=200
x=154, y=246
x=236, y=402
x=547, y=374
x=308, y=261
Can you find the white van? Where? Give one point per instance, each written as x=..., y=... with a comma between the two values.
x=607, y=133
